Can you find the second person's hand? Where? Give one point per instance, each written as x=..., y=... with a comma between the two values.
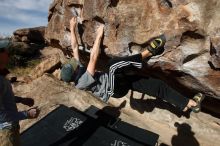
x=33, y=113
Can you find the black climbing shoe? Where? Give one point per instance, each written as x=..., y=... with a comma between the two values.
x=156, y=45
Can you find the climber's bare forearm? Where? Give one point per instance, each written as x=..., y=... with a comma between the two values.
x=74, y=43
x=94, y=56
x=95, y=51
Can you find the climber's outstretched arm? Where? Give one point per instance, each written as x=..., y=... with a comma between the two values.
x=95, y=50
x=74, y=43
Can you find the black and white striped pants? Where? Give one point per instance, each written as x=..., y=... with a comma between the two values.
x=121, y=82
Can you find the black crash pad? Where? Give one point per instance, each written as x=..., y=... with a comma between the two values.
x=70, y=127
x=55, y=126
x=106, y=137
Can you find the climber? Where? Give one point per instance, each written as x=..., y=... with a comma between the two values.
x=117, y=82
x=9, y=115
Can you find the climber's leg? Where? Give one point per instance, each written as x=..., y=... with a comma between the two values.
x=122, y=65
x=158, y=88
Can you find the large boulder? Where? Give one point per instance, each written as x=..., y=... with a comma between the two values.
x=49, y=65
x=192, y=51
x=25, y=49
x=31, y=35
x=26, y=44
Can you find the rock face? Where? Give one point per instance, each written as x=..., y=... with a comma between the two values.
x=192, y=51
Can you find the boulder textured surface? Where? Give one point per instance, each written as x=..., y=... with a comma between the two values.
x=192, y=52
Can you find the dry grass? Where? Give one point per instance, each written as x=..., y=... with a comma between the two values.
x=25, y=70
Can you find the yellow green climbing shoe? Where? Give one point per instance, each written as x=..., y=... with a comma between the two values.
x=198, y=98
x=156, y=44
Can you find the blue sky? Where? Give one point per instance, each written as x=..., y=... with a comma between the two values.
x=15, y=14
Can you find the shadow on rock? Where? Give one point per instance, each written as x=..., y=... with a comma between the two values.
x=148, y=105
x=185, y=136
x=163, y=144
x=113, y=111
